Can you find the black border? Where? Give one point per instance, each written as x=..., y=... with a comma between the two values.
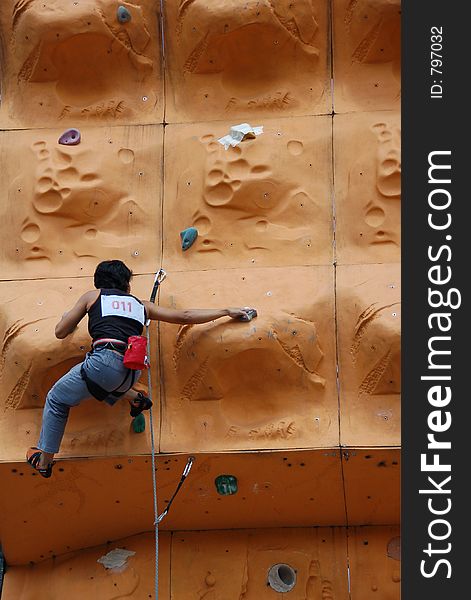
x=430, y=124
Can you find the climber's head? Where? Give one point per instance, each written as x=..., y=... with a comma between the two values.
x=113, y=274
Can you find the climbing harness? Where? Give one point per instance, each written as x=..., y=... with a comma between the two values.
x=100, y=393
x=96, y=390
x=112, y=344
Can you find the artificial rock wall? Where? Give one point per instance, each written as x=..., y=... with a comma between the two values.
x=302, y=404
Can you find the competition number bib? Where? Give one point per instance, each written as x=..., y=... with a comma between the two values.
x=122, y=306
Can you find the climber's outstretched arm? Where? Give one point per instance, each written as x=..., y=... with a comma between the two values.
x=192, y=315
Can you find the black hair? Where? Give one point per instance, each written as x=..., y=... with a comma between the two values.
x=112, y=274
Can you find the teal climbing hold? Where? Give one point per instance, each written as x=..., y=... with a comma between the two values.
x=124, y=16
x=226, y=485
x=139, y=423
x=188, y=236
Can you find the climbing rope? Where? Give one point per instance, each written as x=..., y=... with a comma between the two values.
x=160, y=276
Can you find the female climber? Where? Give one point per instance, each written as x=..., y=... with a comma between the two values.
x=114, y=315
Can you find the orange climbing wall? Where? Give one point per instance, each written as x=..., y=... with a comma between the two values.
x=366, y=54
x=368, y=322
x=302, y=404
x=367, y=171
x=247, y=61
x=73, y=62
x=69, y=207
x=266, y=202
x=269, y=383
x=375, y=563
x=224, y=564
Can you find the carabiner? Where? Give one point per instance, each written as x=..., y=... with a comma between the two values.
x=161, y=275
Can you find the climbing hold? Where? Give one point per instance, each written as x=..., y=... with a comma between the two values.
x=123, y=14
x=188, y=236
x=282, y=578
x=394, y=548
x=116, y=559
x=139, y=423
x=71, y=137
x=249, y=315
x=226, y=485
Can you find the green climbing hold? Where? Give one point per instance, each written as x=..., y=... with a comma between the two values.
x=124, y=16
x=226, y=485
x=139, y=423
x=188, y=236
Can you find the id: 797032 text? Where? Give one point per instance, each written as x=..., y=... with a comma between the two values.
x=436, y=61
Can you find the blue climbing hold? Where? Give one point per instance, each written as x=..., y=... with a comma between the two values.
x=188, y=236
x=124, y=16
x=71, y=137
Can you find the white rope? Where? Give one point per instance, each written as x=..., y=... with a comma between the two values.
x=159, y=277
x=162, y=276
x=154, y=478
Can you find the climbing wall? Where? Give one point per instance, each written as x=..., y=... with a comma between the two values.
x=110, y=119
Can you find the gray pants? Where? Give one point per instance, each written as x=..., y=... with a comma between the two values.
x=104, y=367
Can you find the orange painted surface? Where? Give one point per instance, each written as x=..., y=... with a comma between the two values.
x=69, y=207
x=301, y=404
x=374, y=565
x=78, y=574
x=223, y=565
x=266, y=202
x=269, y=383
x=372, y=480
x=367, y=54
x=76, y=63
x=268, y=58
x=369, y=330
x=234, y=565
x=367, y=150
x=113, y=496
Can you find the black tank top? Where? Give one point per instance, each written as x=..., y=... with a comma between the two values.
x=117, y=315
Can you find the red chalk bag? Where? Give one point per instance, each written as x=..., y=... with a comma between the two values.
x=135, y=356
